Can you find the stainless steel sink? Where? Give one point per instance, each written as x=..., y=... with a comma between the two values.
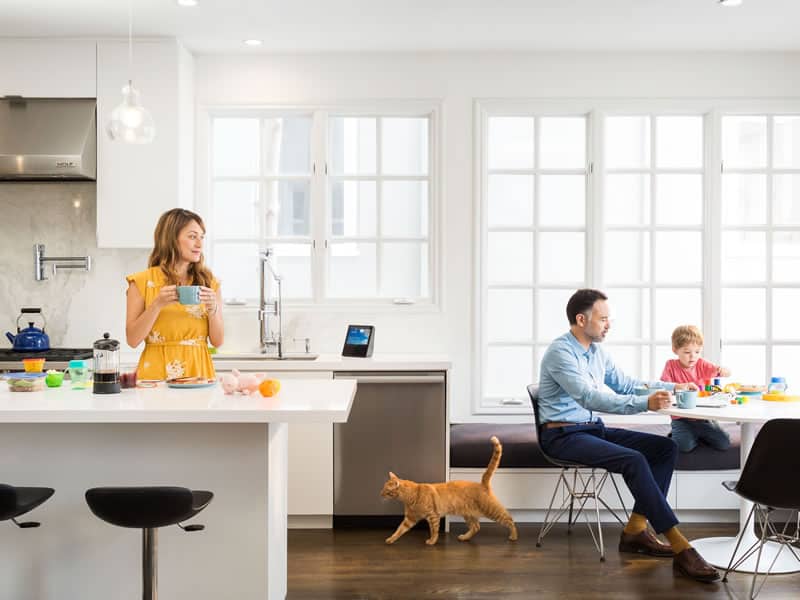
x=265, y=357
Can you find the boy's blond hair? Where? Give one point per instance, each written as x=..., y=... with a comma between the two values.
x=685, y=335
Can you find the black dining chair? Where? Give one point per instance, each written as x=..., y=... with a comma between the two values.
x=16, y=501
x=585, y=485
x=769, y=480
x=148, y=508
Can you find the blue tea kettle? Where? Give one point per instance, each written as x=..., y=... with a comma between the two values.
x=30, y=339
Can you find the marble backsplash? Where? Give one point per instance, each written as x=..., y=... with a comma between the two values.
x=78, y=306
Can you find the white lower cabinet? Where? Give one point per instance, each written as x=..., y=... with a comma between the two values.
x=702, y=490
x=310, y=462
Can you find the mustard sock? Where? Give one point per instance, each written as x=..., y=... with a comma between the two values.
x=636, y=524
x=676, y=540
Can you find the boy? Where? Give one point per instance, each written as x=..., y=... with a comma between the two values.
x=687, y=344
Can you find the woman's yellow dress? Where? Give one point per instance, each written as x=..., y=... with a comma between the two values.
x=177, y=345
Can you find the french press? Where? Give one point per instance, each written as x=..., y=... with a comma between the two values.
x=106, y=366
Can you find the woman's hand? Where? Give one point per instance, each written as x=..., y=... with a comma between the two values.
x=167, y=295
x=209, y=298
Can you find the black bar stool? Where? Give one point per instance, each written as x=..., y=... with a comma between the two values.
x=148, y=508
x=16, y=501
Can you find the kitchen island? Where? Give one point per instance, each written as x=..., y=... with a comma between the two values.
x=235, y=446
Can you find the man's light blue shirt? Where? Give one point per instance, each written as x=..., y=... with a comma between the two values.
x=571, y=383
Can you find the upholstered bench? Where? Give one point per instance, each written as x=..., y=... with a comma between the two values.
x=470, y=447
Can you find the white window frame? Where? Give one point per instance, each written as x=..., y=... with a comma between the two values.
x=770, y=109
x=711, y=230
x=653, y=111
x=491, y=108
x=320, y=186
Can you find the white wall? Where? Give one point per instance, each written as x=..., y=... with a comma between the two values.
x=81, y=306
x=457, y=79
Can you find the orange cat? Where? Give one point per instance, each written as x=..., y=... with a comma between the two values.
x=432, y=501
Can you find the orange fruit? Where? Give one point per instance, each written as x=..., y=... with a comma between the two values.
x=269, y=387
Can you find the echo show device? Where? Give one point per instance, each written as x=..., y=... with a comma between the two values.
x=359, y=341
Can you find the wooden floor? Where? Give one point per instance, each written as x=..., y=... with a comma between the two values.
x=358, y=565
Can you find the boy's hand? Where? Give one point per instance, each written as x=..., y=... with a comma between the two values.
x=686, y=386
x=723, y=372
x=658, y=400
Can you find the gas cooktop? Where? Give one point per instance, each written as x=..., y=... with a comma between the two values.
x=52, y=355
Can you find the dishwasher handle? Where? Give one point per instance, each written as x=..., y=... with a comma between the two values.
x=391, y=378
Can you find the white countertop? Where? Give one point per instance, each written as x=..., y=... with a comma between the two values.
x=245, y=361
x=299, y=401
x=752, y=411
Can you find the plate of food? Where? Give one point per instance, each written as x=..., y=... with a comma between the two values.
x=751, y=389
x=190, y=382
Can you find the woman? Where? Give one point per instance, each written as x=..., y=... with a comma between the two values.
x=175, y=335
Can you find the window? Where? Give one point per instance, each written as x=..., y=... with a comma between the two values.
x=347, y=201
x=681, y=212
x=533, y=241
x=653, y=206
x=760, y=244
x=379, y=205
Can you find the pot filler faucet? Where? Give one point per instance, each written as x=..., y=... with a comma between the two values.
x=59, y=262
x=268, y=338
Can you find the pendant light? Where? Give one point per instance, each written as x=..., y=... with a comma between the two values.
x=130, y=122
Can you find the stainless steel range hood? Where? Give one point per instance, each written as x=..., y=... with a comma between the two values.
x=47, y=138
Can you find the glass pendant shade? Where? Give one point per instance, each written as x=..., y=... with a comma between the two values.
x=130, y=122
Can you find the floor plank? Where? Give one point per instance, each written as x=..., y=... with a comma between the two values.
x=358, y=565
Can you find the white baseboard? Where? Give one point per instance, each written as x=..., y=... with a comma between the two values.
x=310, y=521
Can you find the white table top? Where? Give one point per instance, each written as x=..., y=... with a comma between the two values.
x=753, y=411
x=299, y=401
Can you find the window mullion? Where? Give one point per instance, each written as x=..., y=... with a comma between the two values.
x=712, y=289
x=770, y=246
x=320, y=217
x=378, y=208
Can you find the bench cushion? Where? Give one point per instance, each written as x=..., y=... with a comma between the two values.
x=470, y=447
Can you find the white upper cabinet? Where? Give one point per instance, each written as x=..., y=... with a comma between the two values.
x=47, y=69
x=136, y=183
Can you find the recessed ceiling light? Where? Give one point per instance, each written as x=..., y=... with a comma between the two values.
x=186, y=2
x=729, y=2
x=252, y=42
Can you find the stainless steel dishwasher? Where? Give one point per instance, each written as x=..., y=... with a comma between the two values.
x=397, y=423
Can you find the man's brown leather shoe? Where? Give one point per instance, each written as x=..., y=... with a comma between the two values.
x=690, y=563
x=644, y=542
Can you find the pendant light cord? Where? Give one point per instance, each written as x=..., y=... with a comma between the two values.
x=130, y=43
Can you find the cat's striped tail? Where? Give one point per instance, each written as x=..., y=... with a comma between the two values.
x=493, y=463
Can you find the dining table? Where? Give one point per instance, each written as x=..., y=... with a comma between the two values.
x=750, y=415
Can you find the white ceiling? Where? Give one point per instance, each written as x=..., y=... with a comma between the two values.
x=219, y=26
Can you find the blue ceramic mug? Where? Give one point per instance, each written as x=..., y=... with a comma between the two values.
x=189, y=294
x=686, y=398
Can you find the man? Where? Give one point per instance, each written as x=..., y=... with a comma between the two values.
x=573, y=371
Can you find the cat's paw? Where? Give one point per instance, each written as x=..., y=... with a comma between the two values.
x=389, y=540
x=431, y=541
x=513, y=537
x=464, y=537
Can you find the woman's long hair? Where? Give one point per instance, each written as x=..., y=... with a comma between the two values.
x=166, y=253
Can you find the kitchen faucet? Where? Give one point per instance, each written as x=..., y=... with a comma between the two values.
x=268, y=338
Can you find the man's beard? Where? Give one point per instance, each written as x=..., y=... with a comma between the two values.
x=596, y=338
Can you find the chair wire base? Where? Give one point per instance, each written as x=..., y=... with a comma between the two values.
x=584, y=486
x=785, y=537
